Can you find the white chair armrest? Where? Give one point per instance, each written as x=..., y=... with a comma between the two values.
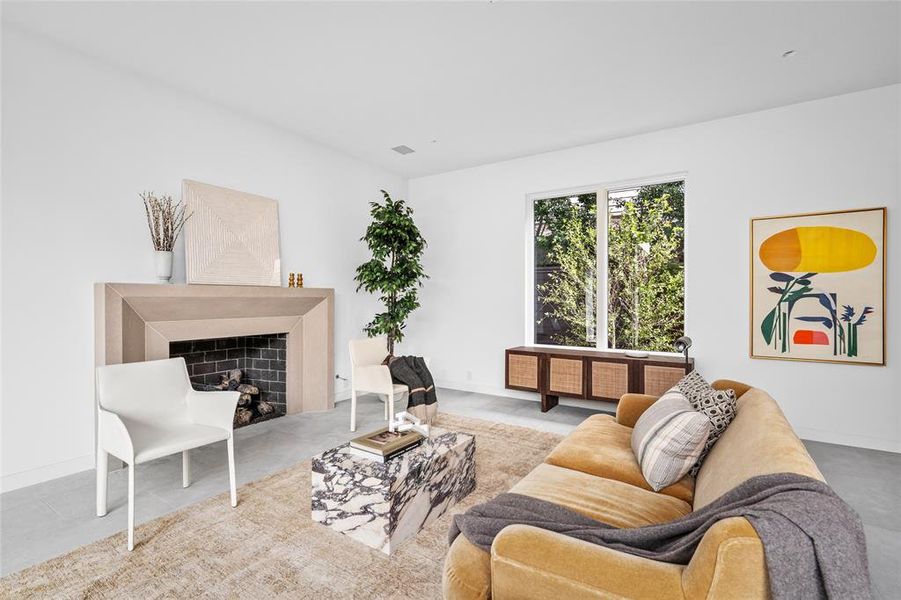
x=113, y=436
x=373, y=378
x=216, y=409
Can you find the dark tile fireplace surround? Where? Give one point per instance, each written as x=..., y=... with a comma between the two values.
x=261, y=358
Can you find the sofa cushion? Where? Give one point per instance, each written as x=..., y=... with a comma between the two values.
x=537, y=564
x=602, y=447
x=467, y=569
x=609, y=501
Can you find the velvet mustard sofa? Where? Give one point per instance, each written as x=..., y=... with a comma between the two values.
x=594, y=472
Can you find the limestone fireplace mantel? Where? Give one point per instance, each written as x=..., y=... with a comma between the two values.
x=135, y=322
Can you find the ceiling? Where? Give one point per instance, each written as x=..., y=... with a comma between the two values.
x=471, y=83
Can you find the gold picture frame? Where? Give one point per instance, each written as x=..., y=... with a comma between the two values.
x=817, y=287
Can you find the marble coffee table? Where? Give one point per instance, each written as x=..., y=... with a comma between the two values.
x=382, y=505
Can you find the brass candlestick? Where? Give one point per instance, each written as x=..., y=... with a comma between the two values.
x=300, y=280
x=290, y=279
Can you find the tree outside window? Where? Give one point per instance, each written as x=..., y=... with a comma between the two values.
x=566, y=270
x=645, y=268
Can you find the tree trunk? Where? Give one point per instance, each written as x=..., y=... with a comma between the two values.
x=391, y=303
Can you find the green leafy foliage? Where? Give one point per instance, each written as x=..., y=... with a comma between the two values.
x=645, y=268
x=775, y=326
x=768, y=325
x=565, y=242
x=395, y=270
x=645, y=275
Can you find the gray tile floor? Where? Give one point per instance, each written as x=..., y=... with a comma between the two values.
x=49, y=519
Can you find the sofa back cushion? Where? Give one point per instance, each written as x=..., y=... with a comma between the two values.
x=759, y=441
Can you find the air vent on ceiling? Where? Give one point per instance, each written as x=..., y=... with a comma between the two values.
x=403, y=149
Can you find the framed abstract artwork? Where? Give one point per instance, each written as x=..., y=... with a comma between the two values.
x=231, y=237
x=818, y=287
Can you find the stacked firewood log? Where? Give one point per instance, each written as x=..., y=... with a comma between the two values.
x=250, y=406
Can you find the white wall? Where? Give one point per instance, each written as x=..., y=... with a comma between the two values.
x=80, y=141
x=838, y=153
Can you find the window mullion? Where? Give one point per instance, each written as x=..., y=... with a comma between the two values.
x=601, y=252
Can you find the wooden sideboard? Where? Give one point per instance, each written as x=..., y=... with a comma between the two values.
x=588, y=374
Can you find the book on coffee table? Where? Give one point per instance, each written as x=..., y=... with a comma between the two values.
x=383, y=458
x=386, y=443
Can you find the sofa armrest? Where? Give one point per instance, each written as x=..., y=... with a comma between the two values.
x=728, y=563
x=467, y=572
x=631, y=406
x=527, y=562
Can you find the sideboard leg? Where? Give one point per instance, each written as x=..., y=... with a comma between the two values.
x=548, y=402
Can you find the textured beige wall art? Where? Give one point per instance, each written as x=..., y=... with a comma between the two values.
x=231, y=237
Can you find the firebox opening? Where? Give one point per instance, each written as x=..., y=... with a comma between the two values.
x=253, y=365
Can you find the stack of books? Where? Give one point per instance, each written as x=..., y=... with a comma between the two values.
x=383, y=445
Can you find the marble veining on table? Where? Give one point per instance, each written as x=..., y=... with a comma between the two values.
x=383, y=504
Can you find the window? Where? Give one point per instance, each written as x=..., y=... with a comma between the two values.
x=639, y=290
x=566, y=267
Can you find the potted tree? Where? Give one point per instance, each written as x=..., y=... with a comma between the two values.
x=395, y=270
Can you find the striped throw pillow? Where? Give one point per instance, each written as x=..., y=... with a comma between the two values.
x=668, y=439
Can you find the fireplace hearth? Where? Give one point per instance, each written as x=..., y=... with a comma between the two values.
x=254, y=365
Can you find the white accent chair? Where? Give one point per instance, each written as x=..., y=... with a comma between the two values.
x=369, y=375
x=147, y=410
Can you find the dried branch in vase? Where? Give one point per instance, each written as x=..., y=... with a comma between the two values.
x=165, y=219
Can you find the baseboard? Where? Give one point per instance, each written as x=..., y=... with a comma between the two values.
x=488, y=390
x=462, y=387
x=848, y=439
x=806, y=433
x=22, y=479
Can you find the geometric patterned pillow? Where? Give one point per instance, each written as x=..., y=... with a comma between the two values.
x=716, y=405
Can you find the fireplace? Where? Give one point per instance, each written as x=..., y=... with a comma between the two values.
x=253, y=365
x=135, y=322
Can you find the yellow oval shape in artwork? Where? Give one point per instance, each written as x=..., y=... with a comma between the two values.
x=817, y=249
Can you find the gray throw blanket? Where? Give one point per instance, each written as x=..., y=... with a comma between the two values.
x=813, y=542
x=412, y=372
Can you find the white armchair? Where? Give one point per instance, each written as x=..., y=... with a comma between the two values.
x=369, y=375
x=148, y=410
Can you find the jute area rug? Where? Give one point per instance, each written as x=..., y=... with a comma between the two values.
x=269, y=547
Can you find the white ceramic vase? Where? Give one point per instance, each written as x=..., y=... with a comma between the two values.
x=163, y=265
